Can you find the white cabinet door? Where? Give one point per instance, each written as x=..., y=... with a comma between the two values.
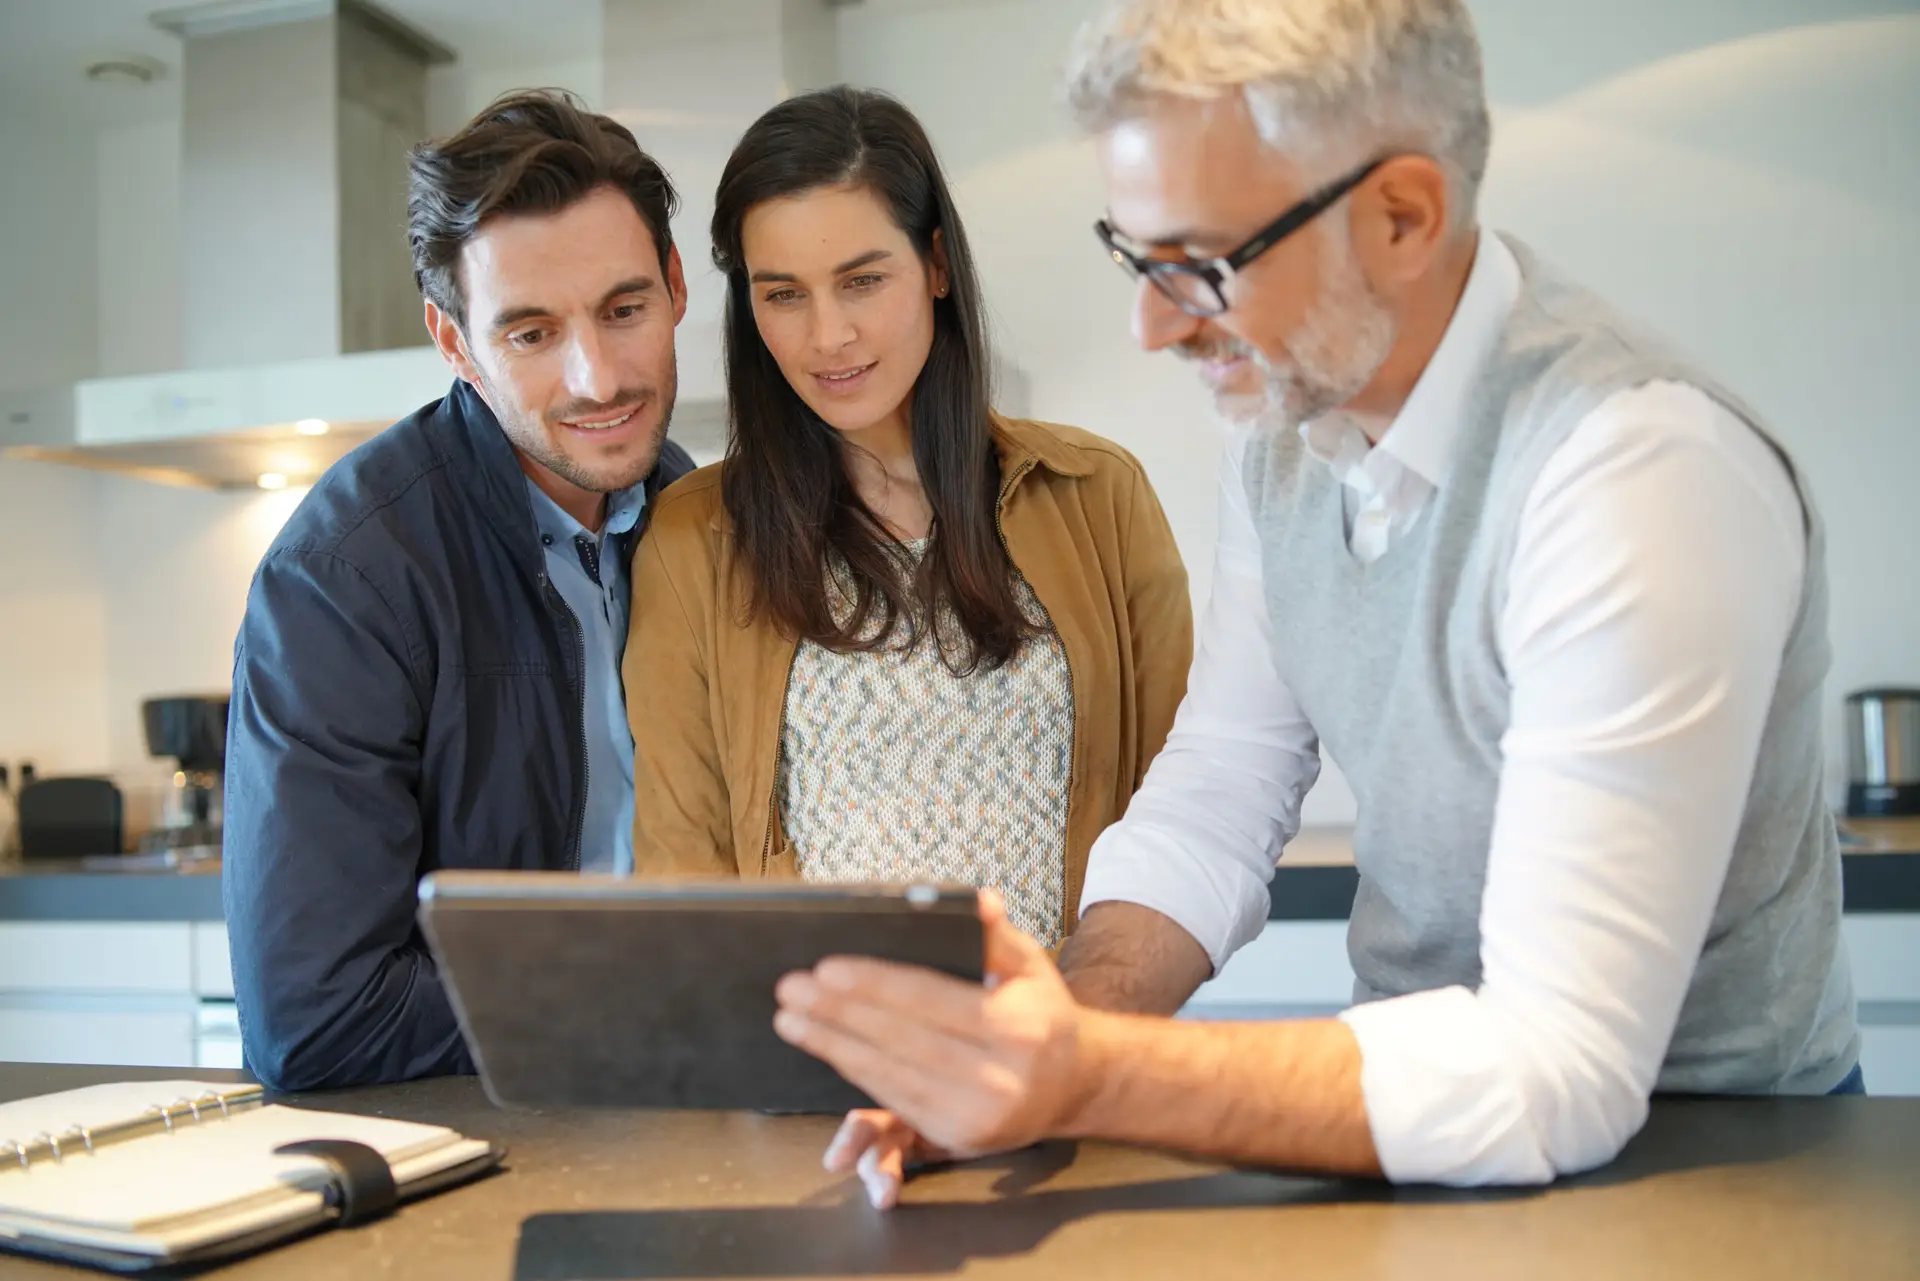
x=133, y=1038
x=212, y=963
x=115, y=992
x=96, y=956
x=1890, y=1057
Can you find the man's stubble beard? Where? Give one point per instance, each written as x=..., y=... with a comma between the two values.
x=529, y=436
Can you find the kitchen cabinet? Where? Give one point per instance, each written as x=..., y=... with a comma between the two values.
x=138, y=993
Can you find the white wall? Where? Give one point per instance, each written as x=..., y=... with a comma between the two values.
x=53, y=626
x=1739, y=172
x=47, y=260
x=1760, y=200
x=52, y=611
x=137, y=228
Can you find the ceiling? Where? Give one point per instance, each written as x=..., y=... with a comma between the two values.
x=46, y=46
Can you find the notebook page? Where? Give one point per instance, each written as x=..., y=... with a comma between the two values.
x=193, y=1232
x=96, y=1105
x=201, y=1230
x=214, y=1169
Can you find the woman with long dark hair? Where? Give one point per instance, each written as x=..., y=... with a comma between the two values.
x=894, y=635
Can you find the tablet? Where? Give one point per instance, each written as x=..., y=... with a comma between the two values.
x=605, y=991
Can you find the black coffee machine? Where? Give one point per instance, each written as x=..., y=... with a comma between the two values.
x=192, y=732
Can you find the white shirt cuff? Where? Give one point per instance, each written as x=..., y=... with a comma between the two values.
x=1441, y=1098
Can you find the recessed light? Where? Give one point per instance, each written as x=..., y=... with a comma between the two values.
x=272, y=480
x=312, y=427
x=130, y=69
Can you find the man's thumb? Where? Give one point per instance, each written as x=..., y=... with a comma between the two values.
x=1010, y=952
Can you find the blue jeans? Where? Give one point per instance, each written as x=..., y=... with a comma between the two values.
x=1855, y=1083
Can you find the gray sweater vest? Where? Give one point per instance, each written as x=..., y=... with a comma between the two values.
x=1397, y=668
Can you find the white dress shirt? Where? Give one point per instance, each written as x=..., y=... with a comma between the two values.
x=1636, y=719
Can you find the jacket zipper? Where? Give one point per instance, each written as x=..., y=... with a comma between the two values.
x=580, y=679
x=1073, y=746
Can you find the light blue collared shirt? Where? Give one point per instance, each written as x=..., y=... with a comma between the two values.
x=600, y=607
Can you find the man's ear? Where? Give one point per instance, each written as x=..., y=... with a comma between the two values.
x=677, y=284
x=1401, y=219
x=452, y=344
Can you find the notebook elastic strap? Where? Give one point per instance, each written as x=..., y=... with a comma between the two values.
x=362, y=1180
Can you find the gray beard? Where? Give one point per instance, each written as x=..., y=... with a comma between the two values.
x=1340, y=345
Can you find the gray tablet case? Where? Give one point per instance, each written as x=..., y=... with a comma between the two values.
x=588, y=991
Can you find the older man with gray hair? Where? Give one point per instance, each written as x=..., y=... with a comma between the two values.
x=1551, y=596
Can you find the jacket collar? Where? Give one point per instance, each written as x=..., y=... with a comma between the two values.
x=1020, y=442
x=483, y=458
x=480, y=454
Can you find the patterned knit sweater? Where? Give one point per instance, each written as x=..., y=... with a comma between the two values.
x=894, y=769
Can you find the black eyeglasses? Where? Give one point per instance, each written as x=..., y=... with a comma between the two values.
x=1198, y=286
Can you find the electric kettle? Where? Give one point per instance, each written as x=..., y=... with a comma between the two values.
x=1883, y=753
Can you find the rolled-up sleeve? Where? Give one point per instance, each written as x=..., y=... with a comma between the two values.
x=1201, y=837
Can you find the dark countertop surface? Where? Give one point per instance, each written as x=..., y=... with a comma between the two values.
x=1875, y=882
x=103, y=890
x=1741, y=1188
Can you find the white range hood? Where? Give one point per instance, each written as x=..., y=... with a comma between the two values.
x=287, y=421
x=298, y=301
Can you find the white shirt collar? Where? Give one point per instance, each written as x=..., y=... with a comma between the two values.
x=1422, y=436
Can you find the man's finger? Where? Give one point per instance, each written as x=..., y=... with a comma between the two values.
x=903, y=1088
x=939, y=1063
x=940, y=1040
x=1011, y=952
x=883, y=1170
x=956, y=1007
x=862, y=1128
x=993, y=908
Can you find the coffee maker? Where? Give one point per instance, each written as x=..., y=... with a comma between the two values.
x=192, y=732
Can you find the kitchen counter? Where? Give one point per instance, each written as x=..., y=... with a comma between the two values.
x=1315, y=882
x=1879, y=860
x=130, y=889
x=1872, y=880
x=1754, y=1189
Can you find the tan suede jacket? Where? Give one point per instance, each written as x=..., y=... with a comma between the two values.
x=706, y=693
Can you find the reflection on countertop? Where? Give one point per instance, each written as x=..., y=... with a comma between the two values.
x=1880, y=835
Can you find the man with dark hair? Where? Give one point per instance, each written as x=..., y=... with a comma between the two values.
x=428, y=674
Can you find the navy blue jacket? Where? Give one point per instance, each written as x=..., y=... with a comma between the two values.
x=407, y=695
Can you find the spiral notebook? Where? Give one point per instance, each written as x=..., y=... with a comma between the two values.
x=148, y=1173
